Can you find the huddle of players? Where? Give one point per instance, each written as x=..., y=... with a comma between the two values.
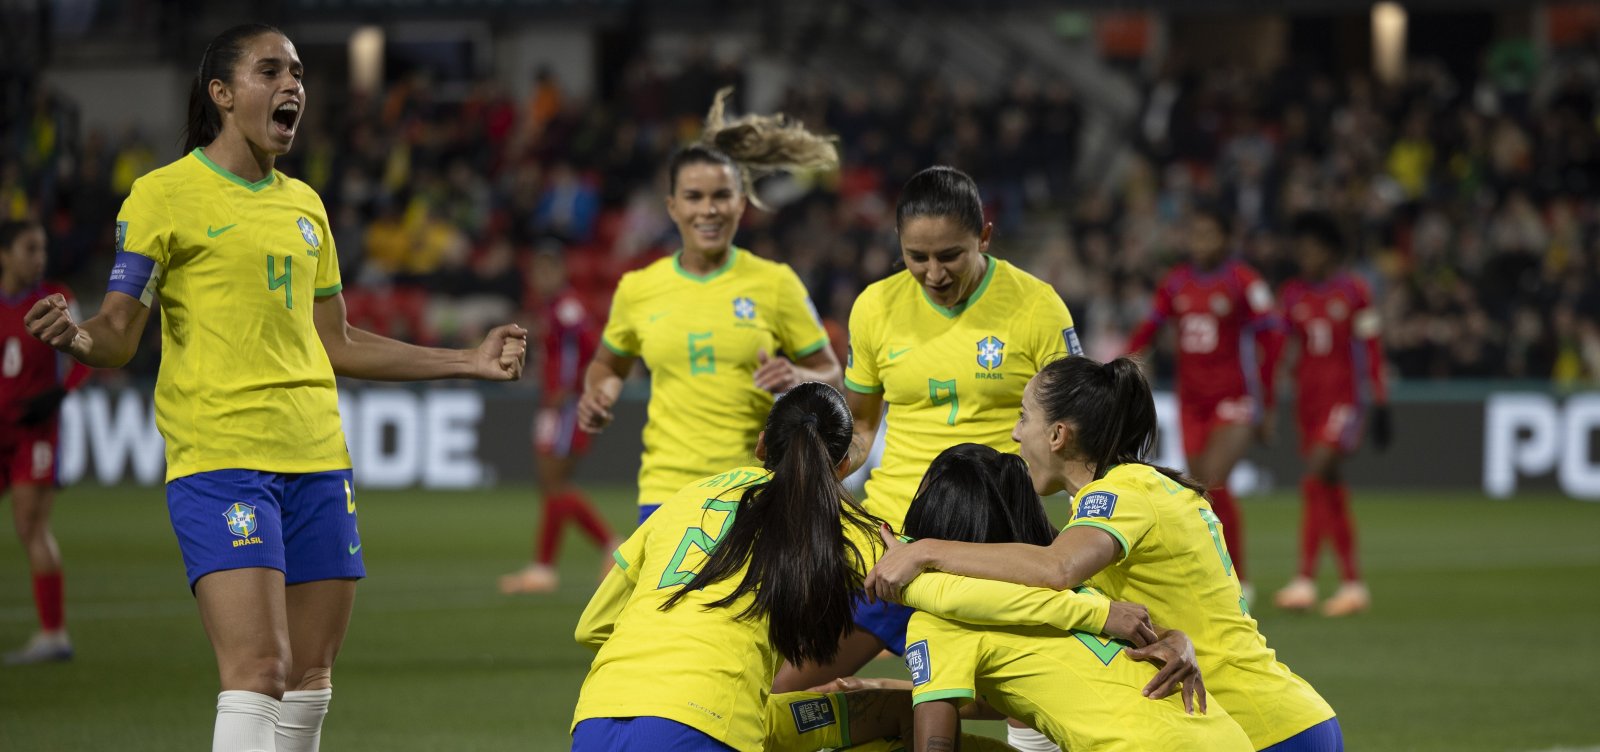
x=744, y=580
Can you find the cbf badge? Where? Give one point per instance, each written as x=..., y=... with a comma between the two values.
x=991, y=352
x=744, y=309
x=241, y=519
x=309, y=232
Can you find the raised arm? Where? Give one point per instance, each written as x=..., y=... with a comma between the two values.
x=1077, y=554
x=602, y=384
x=867, y=410
x=992, y=602
x=106, y=340
x=781, y=374
x=361, y=354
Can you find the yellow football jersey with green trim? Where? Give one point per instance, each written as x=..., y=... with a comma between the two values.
x=700, y=336
x=1175, y=562
x=812, y=721
x=949, y=375
x=244, y=380
x=1077, y=689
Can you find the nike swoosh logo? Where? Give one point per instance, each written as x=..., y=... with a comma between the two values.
x=655, y=316
x=354, y=547
x=210, y=233
x=897, y=353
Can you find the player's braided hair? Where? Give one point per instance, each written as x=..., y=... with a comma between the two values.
x=799, y=561
x=754, y=146
x=204, y=123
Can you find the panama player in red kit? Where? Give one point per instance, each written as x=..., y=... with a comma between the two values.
x=1224, y=317
x=1334, y=329
x=570, y=338
x=32, y=384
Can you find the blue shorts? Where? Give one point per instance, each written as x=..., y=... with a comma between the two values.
x=303, y=525
x=641, y=733
x=1323, y=737
x=886, y=621
x=645, y=510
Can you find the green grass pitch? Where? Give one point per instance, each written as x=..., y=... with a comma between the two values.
x=1483, y=635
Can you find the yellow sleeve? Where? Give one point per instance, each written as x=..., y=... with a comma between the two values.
x=328, y=280
x=977, y=601
x=599, y=618
x=144, y=224
x=1127, y=517
x=620, y=336
x=1052, y=335
x=807, y=721
x=861, y=362
x=800, y=333
x=942, y=658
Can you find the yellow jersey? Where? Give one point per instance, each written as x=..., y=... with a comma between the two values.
x=699, y=336
x=1174, y=562
x=811, y=721
x=1076, y=688
x=244, y=380
x=949, y=375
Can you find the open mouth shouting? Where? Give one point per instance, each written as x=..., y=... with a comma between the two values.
x=285, y=118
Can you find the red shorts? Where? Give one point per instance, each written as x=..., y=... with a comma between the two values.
x=28, y=455
x=1199, y=419
x=1335, y=424
x=556, y=432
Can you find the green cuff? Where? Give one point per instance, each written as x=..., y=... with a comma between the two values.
x=323, y=292
x=860, y=389
x=943, y=694
x=616, y=350
x=808, y=350
x=621, y=562
x=844, y=718
x=1115, y=533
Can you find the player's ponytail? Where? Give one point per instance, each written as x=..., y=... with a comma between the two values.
x=754, y=146
x=975, y=494
x=1111, y=410
x=941, y=192
x=204, y=122
x=800, y=563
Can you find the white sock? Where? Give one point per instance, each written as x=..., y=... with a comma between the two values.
x=244, y=722
x=300, y=727
x=1028, y=740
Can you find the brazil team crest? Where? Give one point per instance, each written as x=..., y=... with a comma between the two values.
x=309, y=232
x=744, y=309
x=991, y=352
x=241, y=519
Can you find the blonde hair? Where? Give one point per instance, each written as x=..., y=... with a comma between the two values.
x=756, y=146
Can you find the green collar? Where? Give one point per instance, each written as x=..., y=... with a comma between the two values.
x=232, y=178
x=677, y=266
x=957, y=309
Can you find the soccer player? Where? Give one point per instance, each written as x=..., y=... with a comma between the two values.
x=1338, y=374
x=253, y=332
x=31, y=389
x=570, y=337
x=1138, y=532
x=720, y=329
x=947, y=344
x=732, y=575
x=1082, y=691
x=864, y=719
x=1226, y=351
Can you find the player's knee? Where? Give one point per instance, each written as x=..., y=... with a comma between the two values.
x=266, y=674
x=314, y=678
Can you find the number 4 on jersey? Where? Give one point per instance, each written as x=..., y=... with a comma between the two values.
x=286, y=281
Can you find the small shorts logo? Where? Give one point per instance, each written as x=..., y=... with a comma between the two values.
x=918, y=664
x=744, y=308
x=810, y=715
x=241, y=519
x=1097, y=504
x=309, y=232
x=991, y=352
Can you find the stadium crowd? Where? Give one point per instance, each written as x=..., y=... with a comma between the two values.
x=1473, y=208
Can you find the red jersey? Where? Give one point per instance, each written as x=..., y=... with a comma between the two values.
x=29, y=367
x=1224, y=319
x=1341, y=356
x=570, y=339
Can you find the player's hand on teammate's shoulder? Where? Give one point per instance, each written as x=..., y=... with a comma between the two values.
x=1129, y=622
x=775, y=375
x=1180, y=670
x=901, y=563
x=50, y=321
x=503, y=353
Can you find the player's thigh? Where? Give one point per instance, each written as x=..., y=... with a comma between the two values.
x=1225, y=446
x=855, y=651
x=1323, y=461
x=320, y=537
x=30, y=510
x=245, y=617
x=319, y=618
x=555, y=472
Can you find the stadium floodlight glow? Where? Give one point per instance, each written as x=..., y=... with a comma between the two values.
x=366, y=58
x=1389, y=41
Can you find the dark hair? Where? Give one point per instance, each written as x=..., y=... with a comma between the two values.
x=1320, y=227
x=753, y=146
x=204, y=123
x=12, y=229
x=1110, y=408
x=799, y=561
x=975, y=494
x=941, y=192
